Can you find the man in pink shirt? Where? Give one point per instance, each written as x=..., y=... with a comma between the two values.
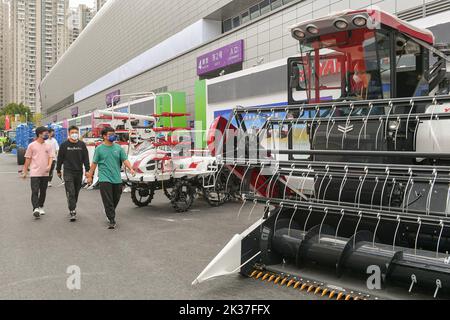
x=39, y=158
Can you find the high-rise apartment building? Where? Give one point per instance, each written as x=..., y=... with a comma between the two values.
x=100, y=4
x=38, y=38
x=4, y=47
x=73, y=25
x=24, y=54
x=54, y=33
x=79, y=18
x=86, y=14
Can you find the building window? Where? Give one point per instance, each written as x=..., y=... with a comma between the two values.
x=254, y=12
x=264, y=7
x=276, y=4
x=161, y=90
x=227, y=26
x=236, y=22
x=245, y=17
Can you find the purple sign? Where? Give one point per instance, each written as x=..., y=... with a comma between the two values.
x=221, y=58
x=74, y=112
x=113, y=95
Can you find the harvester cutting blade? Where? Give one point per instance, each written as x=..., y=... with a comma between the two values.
x=229, y=260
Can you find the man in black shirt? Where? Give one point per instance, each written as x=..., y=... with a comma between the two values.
x=73, y=154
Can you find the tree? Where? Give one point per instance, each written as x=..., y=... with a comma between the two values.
x=14, y=109
x=2, y=122
x=37, y=119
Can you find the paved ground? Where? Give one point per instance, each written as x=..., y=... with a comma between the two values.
x=154, y=254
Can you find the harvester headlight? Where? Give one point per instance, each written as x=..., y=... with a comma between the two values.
x=298, y=34
x=312, y=29
x=360, y=21
x=341, y=24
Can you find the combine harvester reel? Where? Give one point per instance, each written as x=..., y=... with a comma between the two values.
x=355, y=190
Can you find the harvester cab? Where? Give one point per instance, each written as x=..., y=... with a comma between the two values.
x=351, y=178
x=367, y=55
x=364, y=55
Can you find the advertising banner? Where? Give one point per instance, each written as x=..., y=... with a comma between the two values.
x=113, y=95
x=74, y=112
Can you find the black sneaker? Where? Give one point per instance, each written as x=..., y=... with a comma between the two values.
x=37, y=213
x=112, y=225
x=73, y=216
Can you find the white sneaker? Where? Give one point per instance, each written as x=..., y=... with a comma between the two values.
x=41, y=211
x=49, y=184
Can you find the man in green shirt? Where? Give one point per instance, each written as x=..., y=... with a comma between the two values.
x=109, y=158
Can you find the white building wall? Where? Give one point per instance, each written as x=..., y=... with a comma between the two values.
x=266, y=39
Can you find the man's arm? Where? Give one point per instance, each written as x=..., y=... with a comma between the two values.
x=90, y=174
x=56, y=148
x=126, y=162
x=51, y=158
x=129, y=167
x=61, y=157
x=85, y=151
x=25, y=167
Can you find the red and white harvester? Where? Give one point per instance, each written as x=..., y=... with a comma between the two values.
x=351, y=178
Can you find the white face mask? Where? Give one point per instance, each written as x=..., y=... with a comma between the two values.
x=75, y=136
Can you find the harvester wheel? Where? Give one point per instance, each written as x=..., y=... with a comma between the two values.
x=183, y=196
x=168, y=192
x=232, y=188
x=142, y=196
x=214, y=196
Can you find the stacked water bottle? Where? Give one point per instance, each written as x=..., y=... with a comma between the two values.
x=60, y=133
x=24, y=135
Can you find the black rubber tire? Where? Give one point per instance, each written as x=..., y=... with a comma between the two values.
x=215, y=197
x=232, y=189
x=183, y=196
x=222, y=195
x=168, y=192
x=147, y=193
x=21, y=156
